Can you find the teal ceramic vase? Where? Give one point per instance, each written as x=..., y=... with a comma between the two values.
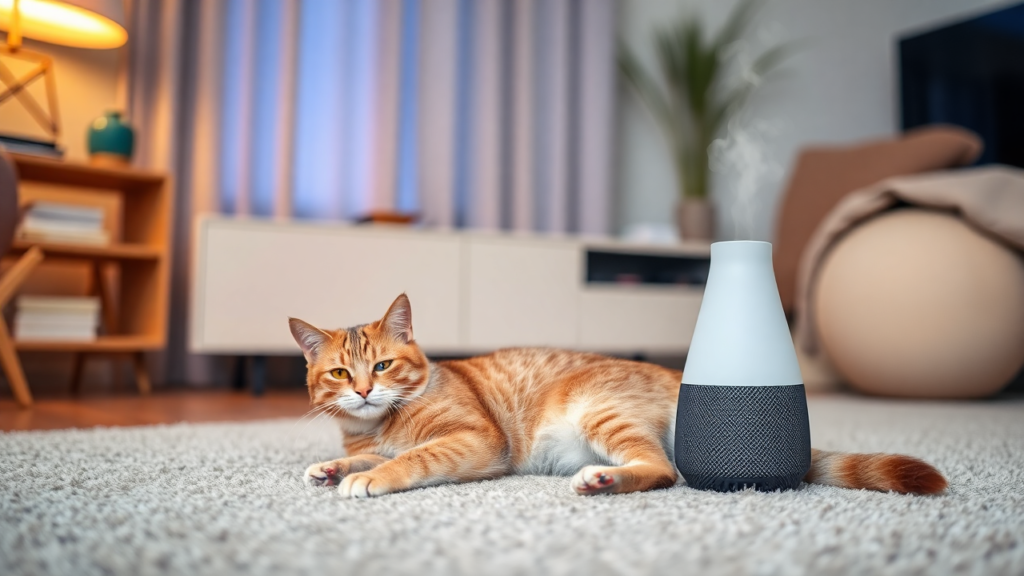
x=111, y=139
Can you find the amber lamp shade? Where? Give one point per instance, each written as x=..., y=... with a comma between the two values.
x=77, y=23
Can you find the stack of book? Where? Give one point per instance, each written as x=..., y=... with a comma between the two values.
x=63, y=223
x=56, y=318
x=31, y=146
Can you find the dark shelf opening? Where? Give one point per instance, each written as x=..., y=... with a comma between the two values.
x=625, y=268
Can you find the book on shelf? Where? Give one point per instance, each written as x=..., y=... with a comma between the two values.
x=63, y=223
x=30, y=146
x=56, y=318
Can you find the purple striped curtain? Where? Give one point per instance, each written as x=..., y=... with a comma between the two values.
x=493, y=114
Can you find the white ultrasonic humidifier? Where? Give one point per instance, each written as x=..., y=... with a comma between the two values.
x=742, y=415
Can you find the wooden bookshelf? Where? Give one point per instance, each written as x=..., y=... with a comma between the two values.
x=99, y=252
x=130, y=275
x=109, y=344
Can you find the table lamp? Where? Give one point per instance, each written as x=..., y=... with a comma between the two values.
x=77, y=23
x=742, y=415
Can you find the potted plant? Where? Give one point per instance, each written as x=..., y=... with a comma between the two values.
x=691, y=100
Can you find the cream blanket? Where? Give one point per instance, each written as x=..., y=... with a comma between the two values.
x=991, y=198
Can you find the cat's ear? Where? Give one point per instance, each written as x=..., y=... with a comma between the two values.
x=309, y=337
x=398, y=321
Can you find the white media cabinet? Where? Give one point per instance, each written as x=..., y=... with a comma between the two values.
x=471, y=292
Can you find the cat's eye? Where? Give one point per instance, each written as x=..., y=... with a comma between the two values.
x=382, y=366
x=339, y=373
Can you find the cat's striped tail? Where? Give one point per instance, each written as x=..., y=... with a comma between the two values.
x=882, y=472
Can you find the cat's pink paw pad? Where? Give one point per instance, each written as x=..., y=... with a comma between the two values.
x=593, y=480
x=320, y=475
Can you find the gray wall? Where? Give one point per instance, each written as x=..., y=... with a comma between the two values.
x=841, y=86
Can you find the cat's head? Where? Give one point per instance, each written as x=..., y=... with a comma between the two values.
x=367, y=370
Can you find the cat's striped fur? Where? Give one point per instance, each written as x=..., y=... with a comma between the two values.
x=407, y=422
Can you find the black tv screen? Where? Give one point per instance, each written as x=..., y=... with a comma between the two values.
x=971, y=74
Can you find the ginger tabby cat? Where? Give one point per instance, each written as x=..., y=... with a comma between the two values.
x=407, y=422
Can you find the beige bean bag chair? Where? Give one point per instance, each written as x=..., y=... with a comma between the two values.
x=914, y=287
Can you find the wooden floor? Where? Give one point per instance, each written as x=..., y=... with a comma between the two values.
x=157, y=408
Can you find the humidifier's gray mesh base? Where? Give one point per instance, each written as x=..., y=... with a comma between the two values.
x=732, y=437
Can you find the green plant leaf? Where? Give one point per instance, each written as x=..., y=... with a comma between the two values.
x=645, y=87
x=737, y=23
x=772, y=58
x=700, y=71
x=670, y=60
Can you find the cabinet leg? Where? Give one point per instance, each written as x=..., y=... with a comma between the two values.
x=238, y=374
x=77, y=367
x=259, y=375
x=12, y=367
x=141, y=375
x=117, y=372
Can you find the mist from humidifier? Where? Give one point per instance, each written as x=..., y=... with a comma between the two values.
x=743, y=162
x=744, y=159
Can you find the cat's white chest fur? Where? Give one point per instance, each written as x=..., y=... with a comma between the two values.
x=559, y=447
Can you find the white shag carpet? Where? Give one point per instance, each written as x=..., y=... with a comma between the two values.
x=228, y=499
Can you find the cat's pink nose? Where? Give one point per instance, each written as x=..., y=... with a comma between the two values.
x=364, y=392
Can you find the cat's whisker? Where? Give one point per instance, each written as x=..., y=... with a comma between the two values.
x=307, y=415
x=426, y=401
x=404, y=398
x=315, y=409
x=330, y=411
x=397, y=409
x=318, y=411
x=296, y=434
x=324, y=410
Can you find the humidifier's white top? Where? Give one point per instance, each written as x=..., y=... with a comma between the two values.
x=741, y=338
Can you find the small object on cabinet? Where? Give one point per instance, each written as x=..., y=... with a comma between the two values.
x=111, y=140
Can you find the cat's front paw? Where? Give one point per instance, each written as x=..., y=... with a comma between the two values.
x=323, y=474
x=364, y=485
x=594, y=480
